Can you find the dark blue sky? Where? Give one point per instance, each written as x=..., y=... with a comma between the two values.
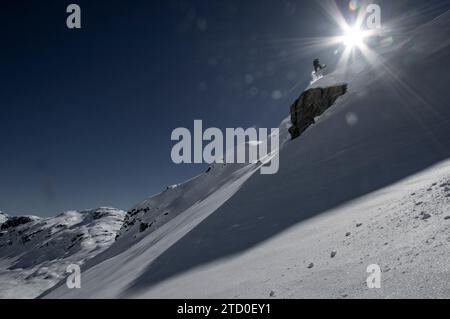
x=86, y=115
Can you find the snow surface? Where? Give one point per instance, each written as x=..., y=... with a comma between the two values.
x=34, y=256
x=3, y=217
x=386, y=228
x=370, y=183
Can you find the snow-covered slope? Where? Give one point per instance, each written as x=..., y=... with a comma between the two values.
x=403, y=228
x=138, y=247
x=362, y=183
x=35, y=252
x=3, y=217
x=156, y=211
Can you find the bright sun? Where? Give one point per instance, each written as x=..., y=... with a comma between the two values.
x=353, y=37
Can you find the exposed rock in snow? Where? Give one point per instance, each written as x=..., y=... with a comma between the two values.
x=12, y=222
x=35, y=252
x=143, y=227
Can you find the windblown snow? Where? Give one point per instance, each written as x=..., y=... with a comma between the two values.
x=368, y=184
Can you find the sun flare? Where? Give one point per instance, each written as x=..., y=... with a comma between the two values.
x=353, y=38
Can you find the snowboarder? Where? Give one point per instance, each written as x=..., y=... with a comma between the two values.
x=317, y=66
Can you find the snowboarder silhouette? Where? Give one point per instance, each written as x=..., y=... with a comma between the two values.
x=317, y=66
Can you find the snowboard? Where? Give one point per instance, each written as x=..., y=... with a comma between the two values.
x=315, y=76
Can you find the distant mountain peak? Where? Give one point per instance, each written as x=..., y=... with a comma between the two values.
x=38, y=250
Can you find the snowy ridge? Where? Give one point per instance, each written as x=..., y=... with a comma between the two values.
x=157, y=210
x=35, y=252
x=140, y=247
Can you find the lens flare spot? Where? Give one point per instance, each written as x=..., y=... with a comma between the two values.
x=354, y=5
x=386, y=42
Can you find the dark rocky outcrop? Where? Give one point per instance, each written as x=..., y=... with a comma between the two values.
x=15, y=221
x=143, y=227
x=311, y=104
